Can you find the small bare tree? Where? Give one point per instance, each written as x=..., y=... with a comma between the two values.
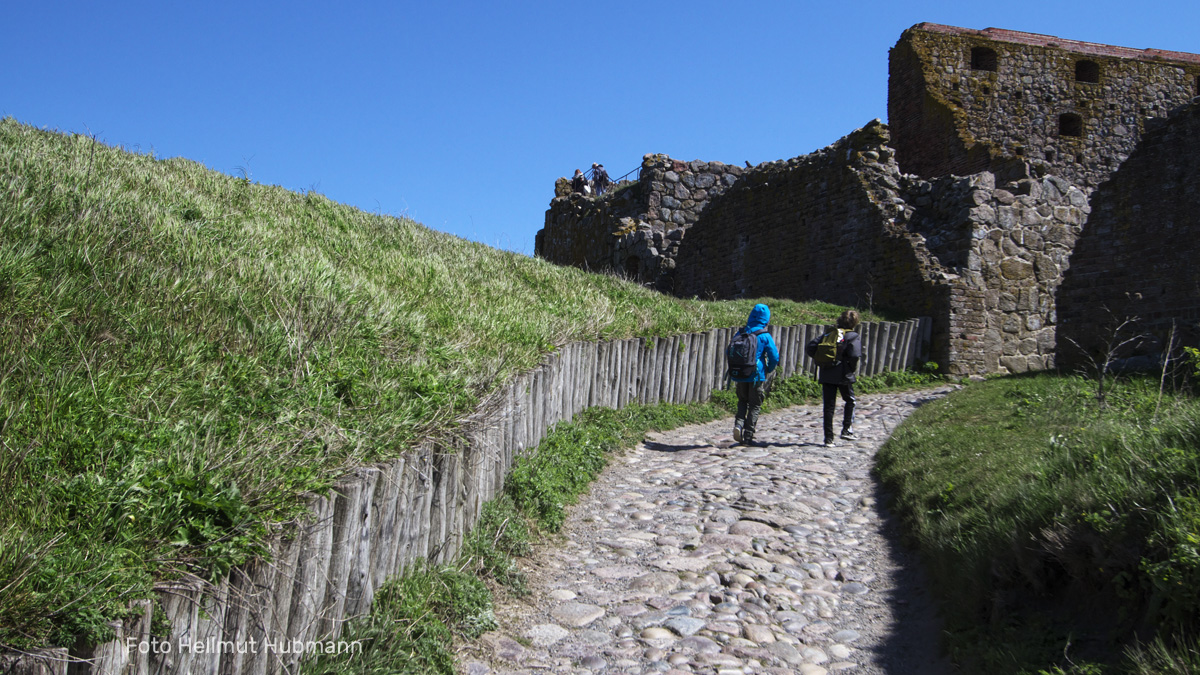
x=1112, y=343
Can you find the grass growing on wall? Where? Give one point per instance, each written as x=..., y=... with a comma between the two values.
x=183, y=352
x=1055, y=528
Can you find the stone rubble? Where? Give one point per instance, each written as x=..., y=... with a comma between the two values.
x=692, y=554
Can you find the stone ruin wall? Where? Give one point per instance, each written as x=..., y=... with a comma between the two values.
x=844, y=225
x=1138, y=256
x=636, y=228
x=962, y=101
x=811, y=228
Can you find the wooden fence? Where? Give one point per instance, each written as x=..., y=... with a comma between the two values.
x=379, y=519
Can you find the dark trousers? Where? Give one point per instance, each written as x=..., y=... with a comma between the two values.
x=829, y=393
x=750, y=399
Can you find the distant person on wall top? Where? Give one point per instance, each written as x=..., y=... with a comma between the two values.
x=600, y=178
x=579, y=183
x=836, y=354
x=752, y=356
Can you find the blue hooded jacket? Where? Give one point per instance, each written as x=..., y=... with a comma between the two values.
x=760, y=316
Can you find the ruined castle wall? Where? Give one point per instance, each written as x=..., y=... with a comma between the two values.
x=843, y=225
x=962, y=101
x=881, y=219
x=1139, y=250
x=634, y=230
x=579, y=229
x=1006, y=248
x=808, y=228
x=817, y=227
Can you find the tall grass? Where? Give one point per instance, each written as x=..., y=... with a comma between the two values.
x=183, y=352
x=1052, y=525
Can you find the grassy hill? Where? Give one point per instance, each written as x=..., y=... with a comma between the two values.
x=183, y=352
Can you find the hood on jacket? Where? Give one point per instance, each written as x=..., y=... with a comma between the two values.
x=760, y=316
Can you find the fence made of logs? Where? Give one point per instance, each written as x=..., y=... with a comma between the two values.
x=323, y=571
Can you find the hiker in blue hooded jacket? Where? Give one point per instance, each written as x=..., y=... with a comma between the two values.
x=752, y=389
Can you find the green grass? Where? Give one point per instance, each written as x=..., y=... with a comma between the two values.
x=1052, y=526
x=412, y=624
x=183, y=352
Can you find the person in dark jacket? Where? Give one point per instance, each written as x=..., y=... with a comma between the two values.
x=839, y=377
x=751, y=391
x=579, y=183
x=599, y=178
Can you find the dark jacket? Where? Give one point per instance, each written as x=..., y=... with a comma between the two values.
x=768, y=352
x=849, y=353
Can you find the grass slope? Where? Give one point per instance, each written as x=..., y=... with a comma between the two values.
x=183, y=352
x=1057, y=530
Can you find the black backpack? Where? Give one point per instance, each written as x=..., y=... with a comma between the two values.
x=742, y=354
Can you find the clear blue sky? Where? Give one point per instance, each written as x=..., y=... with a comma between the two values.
x=461, y=114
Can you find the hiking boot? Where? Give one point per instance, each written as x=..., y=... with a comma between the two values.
x=849, y=435
x=737, y=434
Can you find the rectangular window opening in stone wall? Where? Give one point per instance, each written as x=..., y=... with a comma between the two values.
x=984, y=58
x=1087, y=71
x=1070, y=124
x=1198, y=85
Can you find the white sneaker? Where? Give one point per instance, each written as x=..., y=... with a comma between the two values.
x=737, y=434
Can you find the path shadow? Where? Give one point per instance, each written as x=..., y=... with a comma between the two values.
x=657, y=446
x=915, y=645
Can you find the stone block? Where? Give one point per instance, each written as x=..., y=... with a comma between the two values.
x=1015, y=364
x=1016, y=269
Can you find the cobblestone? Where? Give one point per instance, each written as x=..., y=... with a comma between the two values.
x=693, y=554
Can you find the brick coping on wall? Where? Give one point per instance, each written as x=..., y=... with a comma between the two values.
x=1077, y=46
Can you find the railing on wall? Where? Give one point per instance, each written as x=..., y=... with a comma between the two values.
x=379, y=519
x=590, y=175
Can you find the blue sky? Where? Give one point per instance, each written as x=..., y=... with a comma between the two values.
x=462, y=114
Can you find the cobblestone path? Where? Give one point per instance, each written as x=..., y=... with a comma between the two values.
x=691, y=554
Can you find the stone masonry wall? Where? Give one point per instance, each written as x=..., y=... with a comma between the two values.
x=811, y=228
x=844, y=225
x=962, y=101
x=636, y=229
x=1138, y=256
x=1007, y=246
